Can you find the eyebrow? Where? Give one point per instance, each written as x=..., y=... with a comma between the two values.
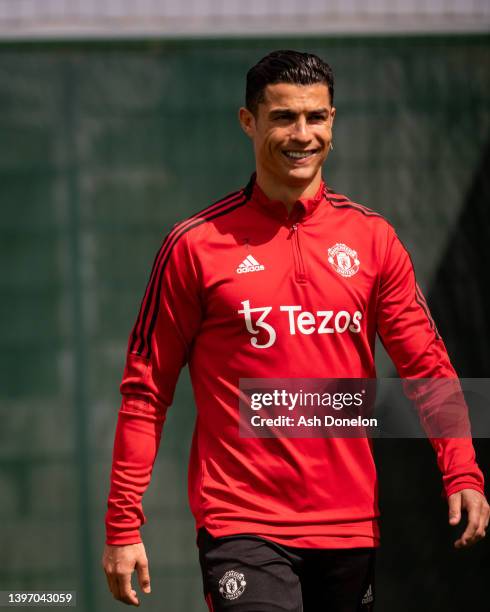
x=288, y=111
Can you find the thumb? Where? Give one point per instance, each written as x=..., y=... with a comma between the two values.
x=454, y=509
x=143, y=576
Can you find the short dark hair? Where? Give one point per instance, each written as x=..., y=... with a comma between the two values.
x=285, y=66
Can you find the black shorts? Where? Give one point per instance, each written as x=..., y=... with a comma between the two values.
x=246, y=573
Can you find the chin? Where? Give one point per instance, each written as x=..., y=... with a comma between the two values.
x=301, y=175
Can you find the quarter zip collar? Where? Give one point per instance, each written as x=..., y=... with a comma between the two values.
x=302, y=209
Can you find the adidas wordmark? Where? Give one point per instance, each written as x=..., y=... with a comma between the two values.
x=249, y=264
x=368, y=596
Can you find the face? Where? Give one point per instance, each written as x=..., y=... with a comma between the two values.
x=292, y=132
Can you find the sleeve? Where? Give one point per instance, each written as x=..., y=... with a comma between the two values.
x=410, y=336
x=158, y=348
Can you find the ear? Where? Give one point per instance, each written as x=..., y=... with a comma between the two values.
x=247, y=121
x=332, y=115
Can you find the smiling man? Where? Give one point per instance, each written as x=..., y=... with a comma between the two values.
x=281, y=279
x=291, y=128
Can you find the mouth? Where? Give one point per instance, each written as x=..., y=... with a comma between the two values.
x=299, y=156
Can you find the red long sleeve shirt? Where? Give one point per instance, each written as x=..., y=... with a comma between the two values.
x=218, y=299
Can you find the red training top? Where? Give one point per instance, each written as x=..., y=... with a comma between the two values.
x=219, y=298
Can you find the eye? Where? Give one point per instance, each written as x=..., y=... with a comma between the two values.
x=318, y=117
x=283, y=117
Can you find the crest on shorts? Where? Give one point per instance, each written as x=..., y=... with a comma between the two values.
x=232, y=585
x=343, y=259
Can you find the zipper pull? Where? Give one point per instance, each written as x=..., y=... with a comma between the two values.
x=294, y=228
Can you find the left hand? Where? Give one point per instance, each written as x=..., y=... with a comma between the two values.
x=478, y=511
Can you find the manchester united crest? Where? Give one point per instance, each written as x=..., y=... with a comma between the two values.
x=232, y=585
x=343, y=259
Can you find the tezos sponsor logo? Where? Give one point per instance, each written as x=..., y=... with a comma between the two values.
x=343, y=259
x=299, y=322
x=232, y=585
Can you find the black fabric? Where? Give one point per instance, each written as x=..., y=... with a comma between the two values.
x=246, y=573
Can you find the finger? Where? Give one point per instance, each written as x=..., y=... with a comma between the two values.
x=487, y=515
x=127, y=594
x=472, y=526
x=113, y=586
x=143, y=576
x=481, y=531
x=476, y=537
x=454, y=509
x=109, y=583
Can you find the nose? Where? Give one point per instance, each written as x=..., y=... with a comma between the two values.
x=300, y=131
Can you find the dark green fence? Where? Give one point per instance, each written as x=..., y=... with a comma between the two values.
x=103, y=147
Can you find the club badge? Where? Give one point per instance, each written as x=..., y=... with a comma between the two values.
x=232, y=585
x=343, y=259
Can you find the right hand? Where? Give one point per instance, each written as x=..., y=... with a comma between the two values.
x=119, y=562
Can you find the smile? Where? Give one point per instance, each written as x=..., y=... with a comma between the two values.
x=300, y=154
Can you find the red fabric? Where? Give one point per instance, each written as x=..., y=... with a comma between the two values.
x=302, y=492
x=209, y=601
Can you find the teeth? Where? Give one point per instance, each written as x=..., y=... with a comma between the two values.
x=298, y=154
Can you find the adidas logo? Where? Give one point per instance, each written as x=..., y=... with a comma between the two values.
x=368, y=596
x=249, y=264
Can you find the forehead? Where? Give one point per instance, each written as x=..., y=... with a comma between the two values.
x=296, y=97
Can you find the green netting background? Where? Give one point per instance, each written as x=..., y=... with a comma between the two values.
x=103, y=147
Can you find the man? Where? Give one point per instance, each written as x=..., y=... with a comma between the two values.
x=281, y=279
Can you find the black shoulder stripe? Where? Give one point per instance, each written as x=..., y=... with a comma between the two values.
x=348, y=204
x=423, y=303
x=340, y=201
x=233, y=196
x=138, y=330
x=213, y=206
x=419, y=297
x=146, y=346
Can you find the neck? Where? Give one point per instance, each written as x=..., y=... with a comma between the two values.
x=288, y=194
